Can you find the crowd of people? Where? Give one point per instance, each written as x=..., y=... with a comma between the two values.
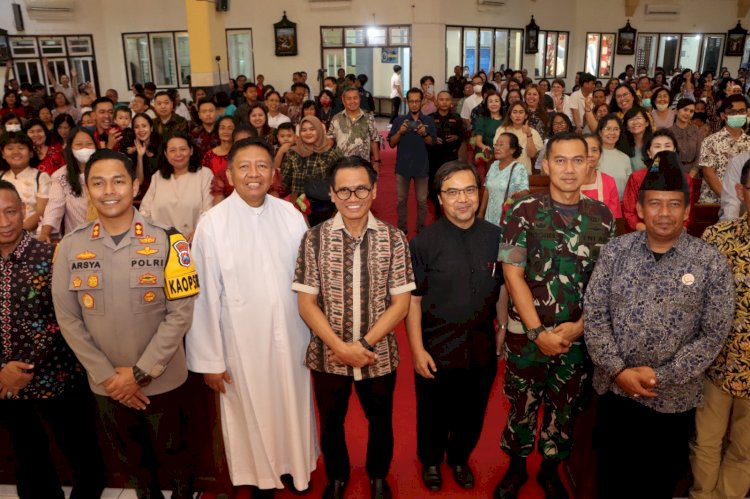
x=233, y=236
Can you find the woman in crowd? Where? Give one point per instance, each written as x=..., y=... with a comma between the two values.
x=485, y=127
x=49, y=154
x=661, y=113
x=688, y=136
x=45, y=116
x=198, y=94
x=181, y=191
x=10, y=123
x=561, y=102
x=547, y=101
x=258, y=119
x=613, y=162
x=224, y=106
x=637, y=131
x=559, y=123
x=624, y=100
x=274, y=116
x=516, y=122
x=506, y=179
x=147, y=145
x=660, y=81
x=306, y=168
x=538, y=118
x=216, y=159
x=11, y=104
x=325, y=107
x=62, y=106
x=309, y=108
x=609, y=90
x=429, y=106
x=68, y=205
x=32, y=185
x=512, y=97
x=662, y=140
x=87, y=118
x=62, y=126
x=598, y=185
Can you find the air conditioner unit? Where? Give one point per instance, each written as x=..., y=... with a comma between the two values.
x=495, y=3
x=662, y=9
x=50, y=9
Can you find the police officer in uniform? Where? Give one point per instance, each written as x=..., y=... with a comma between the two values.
x=123, y=288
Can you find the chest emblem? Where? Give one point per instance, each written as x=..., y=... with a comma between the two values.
x=147, y=240
x=86, y=255
x=92, y=281
x=147, y=279
x=148, y=250
x=149, y=296
x=138, y=229
x=95, y=231
x=88, y=301
x=77, y=282
x=688, y=279
x=183, y=252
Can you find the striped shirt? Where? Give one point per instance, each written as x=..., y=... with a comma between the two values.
x=354, y=278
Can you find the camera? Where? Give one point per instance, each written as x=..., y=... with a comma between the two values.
x=412, y=125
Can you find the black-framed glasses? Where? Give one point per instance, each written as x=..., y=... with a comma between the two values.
x=345, y=193
x=454, y=193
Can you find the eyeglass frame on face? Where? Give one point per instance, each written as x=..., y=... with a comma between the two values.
x=611, y=129
x=622, y=96
x=345, y=190
x=735, y=112
x=469, y=191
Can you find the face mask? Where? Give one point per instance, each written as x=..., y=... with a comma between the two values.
x=646, y=102
x=662, y=107
x=477, y=89
x=12, y=127
x=736, y=121
x=83, y=155
x=330, y=89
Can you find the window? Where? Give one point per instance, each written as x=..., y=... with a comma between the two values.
x=376, y=36
x=63, y=53
x=551, y=60
x=697, y=51
x=476, y=49
x=163, y=58
x=332, y=37
x=240, y=52
x=600, y=50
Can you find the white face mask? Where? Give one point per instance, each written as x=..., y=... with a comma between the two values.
x=477, y=89
x=12, y=127
x=330, y=89
x=83, y=155
x=662, y=107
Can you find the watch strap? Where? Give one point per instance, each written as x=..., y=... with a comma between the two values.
x=367, y=346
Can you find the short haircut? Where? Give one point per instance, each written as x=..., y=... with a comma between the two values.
x=37, y=122
x=514, y=144
x=165, y=167
x=349, y=89
x=204, y=101
x=144, y=97
x=595, y=136
x=297, y=85
x=244, y=128
x=287, y=125
x=662, y=132
x=249, y=142
x=558, y=81
x=415, y=90
x=684, y=102
x=606, y=119
x=123, y=109
x=448, y=169
x=586, y=77
x=149, y=86
x=103, y=154
x=15, y=138
x=248, y=85
x=102, y=100
x=425, y=79
x=162, y=93
x=7, y=186
x=745, y=173
x=353, y=162
x=564, y=137
x=727, y=102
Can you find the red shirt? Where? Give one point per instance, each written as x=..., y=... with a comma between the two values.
x=52, y=161
x=630, y=198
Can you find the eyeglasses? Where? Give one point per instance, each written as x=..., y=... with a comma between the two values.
x=454, y=193
x=623, y=96
x=735, y=112
x=361, y=192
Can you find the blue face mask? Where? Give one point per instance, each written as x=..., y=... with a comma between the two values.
x=646, y=102
x=737, y=121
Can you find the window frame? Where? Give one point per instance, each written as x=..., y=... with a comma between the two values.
x=543, y=51
x=612, y=53
x=680, y=35
x=365, y=39
x=149, y=36
x=509, y=31
x=227, y=32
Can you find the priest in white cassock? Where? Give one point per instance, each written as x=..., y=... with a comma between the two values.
x=247, y=337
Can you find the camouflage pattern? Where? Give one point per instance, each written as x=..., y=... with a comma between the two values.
x=532, y=378
x=558, y=258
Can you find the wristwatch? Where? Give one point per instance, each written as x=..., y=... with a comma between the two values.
x=141, y=378
x=367, y=346
x=533, y=334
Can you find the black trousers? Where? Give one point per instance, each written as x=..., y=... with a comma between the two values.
x=332, y=393
x=640, y=452
x=71, y=420
x=395, y=107
x=450, y=412
x=152, y=441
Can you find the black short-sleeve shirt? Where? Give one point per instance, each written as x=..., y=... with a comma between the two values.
x=459, y=278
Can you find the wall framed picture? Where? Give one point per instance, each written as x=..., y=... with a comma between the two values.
x=285, y=37
x=626, y=40
x=735, y=41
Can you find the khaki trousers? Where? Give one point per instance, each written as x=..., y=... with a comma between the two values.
x=719, y=473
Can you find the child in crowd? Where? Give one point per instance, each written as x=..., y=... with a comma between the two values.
x=286, y=137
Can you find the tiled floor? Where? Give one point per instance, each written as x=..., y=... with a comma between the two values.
x=9, y=492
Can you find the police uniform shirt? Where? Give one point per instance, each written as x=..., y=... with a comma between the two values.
x=128, y=303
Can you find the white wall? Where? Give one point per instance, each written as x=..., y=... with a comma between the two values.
x=106, y=20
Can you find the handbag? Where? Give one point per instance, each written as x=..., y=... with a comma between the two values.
x=507, y=188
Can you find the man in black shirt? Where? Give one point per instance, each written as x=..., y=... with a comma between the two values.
x=451, y=326
x=450, y=136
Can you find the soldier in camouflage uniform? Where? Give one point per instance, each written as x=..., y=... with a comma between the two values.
x=549, y=247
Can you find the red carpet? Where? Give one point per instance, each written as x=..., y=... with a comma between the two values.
x=487, y=461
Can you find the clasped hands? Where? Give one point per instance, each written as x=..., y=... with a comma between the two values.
x=558, y=340
x=123, y=388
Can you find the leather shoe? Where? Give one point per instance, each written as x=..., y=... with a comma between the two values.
x=513, y=480
x=463, y=476
x=379, y=489
x=334, y=490
x=432, y=478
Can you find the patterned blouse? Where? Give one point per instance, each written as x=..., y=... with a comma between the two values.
x=52, y=161
x=716, y=151
x=731, y=369
x=354, y=279
x=296, y=169
x=513, y=179
x=28, y=329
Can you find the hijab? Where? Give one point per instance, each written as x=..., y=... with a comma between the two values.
x=319, y=146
